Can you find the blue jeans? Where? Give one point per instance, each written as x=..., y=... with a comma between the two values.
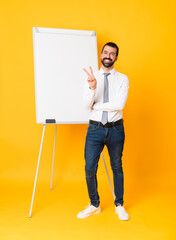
x=96, y=138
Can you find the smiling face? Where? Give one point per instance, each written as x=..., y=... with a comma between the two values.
x=108, y=57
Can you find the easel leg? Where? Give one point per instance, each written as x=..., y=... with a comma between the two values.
x=51, y=187
x=30, y=214
x=108, y=176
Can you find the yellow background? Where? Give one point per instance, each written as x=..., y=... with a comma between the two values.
x=146, y=36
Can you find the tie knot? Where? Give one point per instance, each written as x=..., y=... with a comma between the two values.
x=106, y=74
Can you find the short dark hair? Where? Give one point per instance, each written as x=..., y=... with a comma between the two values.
x=111, y=44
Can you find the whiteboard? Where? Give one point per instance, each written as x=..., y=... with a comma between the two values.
x=59, y=58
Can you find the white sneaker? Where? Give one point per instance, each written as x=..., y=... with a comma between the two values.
x=123, y=215
x=90, y=210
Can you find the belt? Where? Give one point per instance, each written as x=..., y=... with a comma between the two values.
x=108, y=124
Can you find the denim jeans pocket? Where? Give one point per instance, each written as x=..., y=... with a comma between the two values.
x=93, y=127
x=119, y=128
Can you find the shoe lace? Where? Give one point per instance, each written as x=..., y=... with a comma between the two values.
x=88, y=205
x=122, y=210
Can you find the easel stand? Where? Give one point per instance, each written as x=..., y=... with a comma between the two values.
x=41, y=145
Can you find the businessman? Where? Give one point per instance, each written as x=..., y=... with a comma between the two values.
x=105, y=97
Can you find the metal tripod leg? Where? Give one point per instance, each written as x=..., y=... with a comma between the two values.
x=30, y=214
x=108, y=176
x=51, y=187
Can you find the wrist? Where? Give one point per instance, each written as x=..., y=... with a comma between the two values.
x=92, y=88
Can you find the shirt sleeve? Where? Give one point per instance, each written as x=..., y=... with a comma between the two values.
x=119, y=101
x=89, y=96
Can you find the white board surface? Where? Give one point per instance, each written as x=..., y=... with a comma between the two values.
x=59, y=58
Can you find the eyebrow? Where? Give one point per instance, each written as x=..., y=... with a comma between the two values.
x=105, y=51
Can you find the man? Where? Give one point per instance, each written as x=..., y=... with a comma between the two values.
x=105, y=96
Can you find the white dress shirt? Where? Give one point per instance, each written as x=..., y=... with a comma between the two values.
x=118, y=93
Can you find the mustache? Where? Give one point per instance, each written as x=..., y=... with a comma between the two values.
x=107, y=59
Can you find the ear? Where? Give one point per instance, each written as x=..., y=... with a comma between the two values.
x=116, y=59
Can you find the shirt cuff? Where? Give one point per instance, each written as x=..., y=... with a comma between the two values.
x=92, y=89
x=98, y=106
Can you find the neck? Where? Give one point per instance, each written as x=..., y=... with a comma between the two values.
x=105, y=69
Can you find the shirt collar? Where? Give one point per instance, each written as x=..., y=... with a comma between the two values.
x=112, y=72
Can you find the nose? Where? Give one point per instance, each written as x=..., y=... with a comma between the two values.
x=108, y=55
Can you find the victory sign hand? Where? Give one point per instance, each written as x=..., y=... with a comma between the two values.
x=91, y=79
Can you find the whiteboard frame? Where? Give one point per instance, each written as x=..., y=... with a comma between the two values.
x=42, y=30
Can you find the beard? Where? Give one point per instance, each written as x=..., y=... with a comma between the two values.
x=107, y=64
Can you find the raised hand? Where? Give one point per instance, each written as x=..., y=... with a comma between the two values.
x=91, y=79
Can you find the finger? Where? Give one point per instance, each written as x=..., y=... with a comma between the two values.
x=91, y=71
x=87, y=73
x=90, y=81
